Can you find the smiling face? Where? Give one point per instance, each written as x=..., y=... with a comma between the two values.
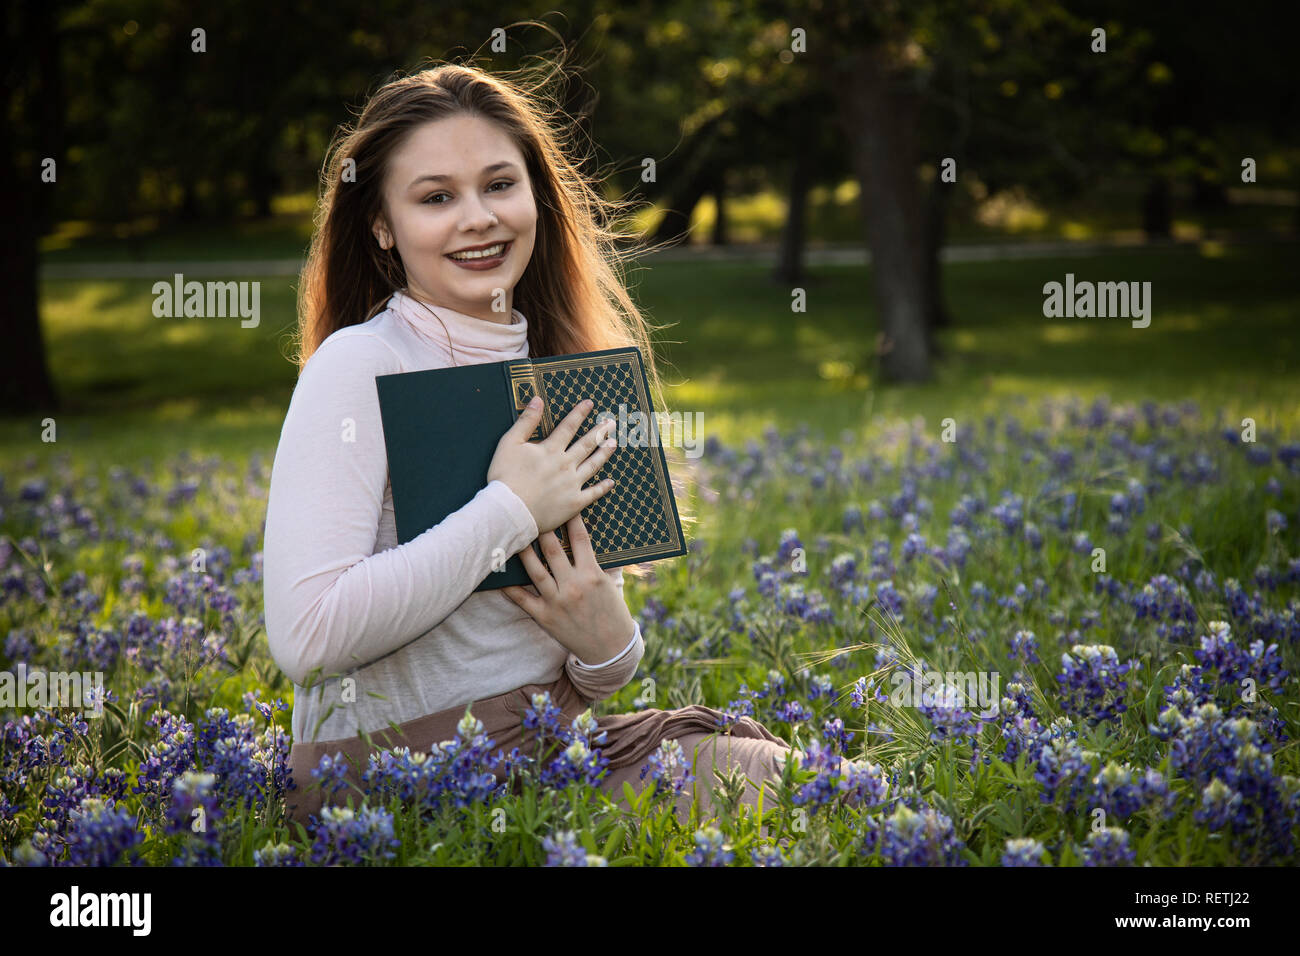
x=446, y=190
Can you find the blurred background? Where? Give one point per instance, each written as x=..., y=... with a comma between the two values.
x=912, y=172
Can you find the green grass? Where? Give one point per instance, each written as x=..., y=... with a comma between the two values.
x=144, y=388
x=1220, y=333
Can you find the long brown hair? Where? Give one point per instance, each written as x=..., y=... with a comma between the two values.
x=573, y=291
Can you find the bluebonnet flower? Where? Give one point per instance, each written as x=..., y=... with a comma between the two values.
x=852, y=520
x=1015, y=601
x=1092, y=682
x=843, y=572
x=911, y=838
x=711, y=849
x=171, y=756
x=1061, y=766
x=766, y=576
x=792, y=712
x=100, y=833
x=890, y=599
x=1108, y=846
x=1009, y=512
x=820, y=686
x=1164, y=599
x=808, y=606
x=349, y=837
x=1205, y=744
x=1016, y=699
x=957, y=548
x=864, y=689
x=1023, y=852
x=546, y=720
x=564, y=849
x=742, y=706
x=948, y=715
x=663, y=765
x=577, y=763
x=1258, y=455
x=228, y=746
x=195, y=808
x=1221, y=806
x=468, y=767
x=398, y=774
x=1240, y=606
x=767, y=856
x=277, y=854
x=860, y=783
x=1121, y=791
x=1221, y=664
x=1024, y=645
x=772, y=688
x=834, y=733
x=789, y=544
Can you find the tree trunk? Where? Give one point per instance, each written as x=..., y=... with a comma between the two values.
x=688, y=187
x=34, y=112
x=879, y=115
x=1157, y=218
x=677, y=219
x=936, y=221
x=789, y=266
x=720, y=201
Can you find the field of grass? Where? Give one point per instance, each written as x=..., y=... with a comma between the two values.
x=1221, y=333
x=845, y=549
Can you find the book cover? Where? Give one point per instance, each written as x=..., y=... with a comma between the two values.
x=442, y=426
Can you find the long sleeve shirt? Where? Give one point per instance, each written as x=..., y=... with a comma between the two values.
x=371, y=631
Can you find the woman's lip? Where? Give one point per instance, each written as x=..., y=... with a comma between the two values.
x=508, y=244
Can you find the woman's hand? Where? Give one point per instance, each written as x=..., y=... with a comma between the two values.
x=578, y=604
x=548, y=475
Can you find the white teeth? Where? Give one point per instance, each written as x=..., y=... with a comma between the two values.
x=487, y=253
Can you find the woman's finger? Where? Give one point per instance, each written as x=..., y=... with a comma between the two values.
x=541, y=578
x=555, y=556
x=520, y=596
x=580, y=542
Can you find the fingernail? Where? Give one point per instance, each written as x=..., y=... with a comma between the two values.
x=535, y=402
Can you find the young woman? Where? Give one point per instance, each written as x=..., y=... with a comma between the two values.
x=386, y=644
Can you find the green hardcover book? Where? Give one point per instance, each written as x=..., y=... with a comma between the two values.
x=442, y=426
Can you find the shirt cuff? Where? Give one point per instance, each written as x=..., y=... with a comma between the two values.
x=520, y=516
x=617, y=657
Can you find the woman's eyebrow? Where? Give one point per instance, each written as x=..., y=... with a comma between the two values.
x=439, y=177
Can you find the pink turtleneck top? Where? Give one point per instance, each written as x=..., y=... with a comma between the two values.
x=371, y=631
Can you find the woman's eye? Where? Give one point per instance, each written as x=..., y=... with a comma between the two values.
x=501, y=182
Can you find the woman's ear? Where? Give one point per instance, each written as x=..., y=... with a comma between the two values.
x=380, y=229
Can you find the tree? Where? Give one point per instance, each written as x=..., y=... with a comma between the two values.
x=30, y=136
